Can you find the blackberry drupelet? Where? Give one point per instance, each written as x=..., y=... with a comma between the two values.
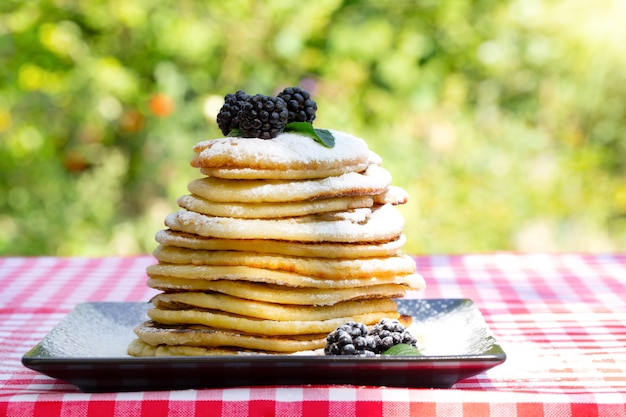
x=300, y=105
x=390, y=332
x=350, y=339
x=262, y=117
x=227, y=117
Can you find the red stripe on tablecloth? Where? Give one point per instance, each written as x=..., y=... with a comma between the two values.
x=422, y=409
x=587, y=410
x=99, y=408
x=314, y=409
x=45, y=408
x=155, y=408
x=260, y=408
x=314, y=402
x=529, y=409
x=477, y=409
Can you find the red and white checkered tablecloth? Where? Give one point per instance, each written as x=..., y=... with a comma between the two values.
x=561, y=318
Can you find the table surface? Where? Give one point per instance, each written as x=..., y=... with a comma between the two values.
x=561, y=318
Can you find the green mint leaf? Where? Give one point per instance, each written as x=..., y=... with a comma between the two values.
x=234, y=133
x=321, y=136
x=403, y=350
x=326, y=137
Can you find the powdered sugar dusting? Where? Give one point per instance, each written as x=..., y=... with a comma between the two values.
x=95, y=330
x=453, y=331
x=287, y=148
x=373, y=181
x=364, y=225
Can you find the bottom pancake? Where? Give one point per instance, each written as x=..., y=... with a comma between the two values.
x=156, y=334
x=139, y=348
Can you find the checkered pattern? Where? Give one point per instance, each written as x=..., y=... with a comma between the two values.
x=560, y=318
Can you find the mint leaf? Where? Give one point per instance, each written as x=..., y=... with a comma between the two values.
x=321, y=136
x=326, y=137
x=403, y=350
x=234, y=133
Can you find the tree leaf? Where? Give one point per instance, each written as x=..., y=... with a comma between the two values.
x=403, y=350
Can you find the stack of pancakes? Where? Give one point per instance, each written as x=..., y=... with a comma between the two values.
x=280, y=242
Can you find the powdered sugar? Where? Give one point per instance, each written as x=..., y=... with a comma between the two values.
x=286, y=149
x=374, y=180
x=95, y=330
x=363, y=225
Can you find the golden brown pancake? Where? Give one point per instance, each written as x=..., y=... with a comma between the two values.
x=379, y=224
x=269, y=311
x=249, y=325
x=260, y=275
x=314, y=267
x=288, y=156
x=156, y=334
x=140, y=348
x=279, y=293
x=374, y=180
x=273, y=210
x=319, y=250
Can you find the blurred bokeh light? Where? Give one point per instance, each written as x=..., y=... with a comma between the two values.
x=504, y=119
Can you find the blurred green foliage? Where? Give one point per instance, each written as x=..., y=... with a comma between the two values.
x=504, y=119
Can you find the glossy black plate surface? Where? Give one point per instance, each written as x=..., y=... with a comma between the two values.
x=88, y=349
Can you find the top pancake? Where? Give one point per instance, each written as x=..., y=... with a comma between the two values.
x=288, y=156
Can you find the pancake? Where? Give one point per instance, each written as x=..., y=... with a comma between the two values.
x=313, y=267
x=269, y=311
x=155, y=334
x=382, y=223
x=254, y=326
x=319, y=250
x=374, y=180
x=278, y=293
x=288, y=156
x=260, y=275
x=140, y=348
x=272, y=210
x=393, y=195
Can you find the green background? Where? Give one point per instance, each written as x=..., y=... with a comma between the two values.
x=504, y=120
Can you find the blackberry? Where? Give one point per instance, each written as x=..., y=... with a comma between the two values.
x=300, y=105
x=262, y=117
x=227, y=117
x=390, y=332
x=350, y=339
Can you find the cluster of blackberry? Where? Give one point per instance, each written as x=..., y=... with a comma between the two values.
x=262, y=116
x=300, y=105
x=355, y=339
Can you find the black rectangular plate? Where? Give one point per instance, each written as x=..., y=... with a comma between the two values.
x=88, y=349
